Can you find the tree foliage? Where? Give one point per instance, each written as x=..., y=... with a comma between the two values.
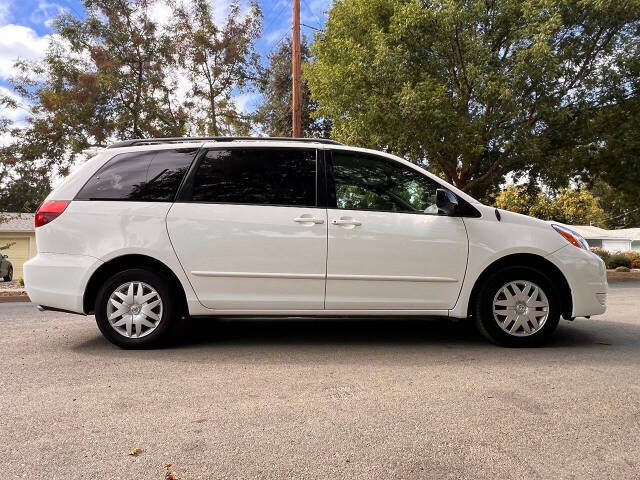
x=571, y=206
x=104, y=76
x=274, y=114
x=475, y=88
x=118, y=74
x=218, y=60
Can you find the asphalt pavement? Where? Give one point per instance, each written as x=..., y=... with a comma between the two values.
x=374, y=399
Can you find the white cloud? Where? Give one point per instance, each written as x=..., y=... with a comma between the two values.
x=221, y=10
x=275, y=35
x=314, y=12
x=46, y=12
x=16, y=115
x=4, y=11
x=19, y=42
x=160, y=12
x=246, y=102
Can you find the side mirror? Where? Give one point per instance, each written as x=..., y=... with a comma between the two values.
x=446, y=202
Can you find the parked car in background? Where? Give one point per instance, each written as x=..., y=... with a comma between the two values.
x=6, y=268
x=151, y=230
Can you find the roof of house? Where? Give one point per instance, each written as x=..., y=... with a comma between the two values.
x=17, y=222
x=591, y=232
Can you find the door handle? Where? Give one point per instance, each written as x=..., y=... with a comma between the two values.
x=314, y=220
x=347, y=222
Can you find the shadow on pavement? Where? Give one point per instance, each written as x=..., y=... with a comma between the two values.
x=383, y=332
x=316, y=334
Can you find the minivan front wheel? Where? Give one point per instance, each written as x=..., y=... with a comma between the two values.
x=134, y=308
x=517, y=306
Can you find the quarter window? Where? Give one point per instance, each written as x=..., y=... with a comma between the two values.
x=152, y=176
x=257, y=176
x=366, y=182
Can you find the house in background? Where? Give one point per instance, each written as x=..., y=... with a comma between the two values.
x=20, y=231
x=623, y=240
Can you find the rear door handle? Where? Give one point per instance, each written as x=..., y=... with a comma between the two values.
x=309, y=219
x=347, y=222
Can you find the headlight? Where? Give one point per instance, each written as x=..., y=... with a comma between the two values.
x=574, y=238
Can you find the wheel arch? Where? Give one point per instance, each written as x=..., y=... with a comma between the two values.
x=125, y=262
x=532, y=261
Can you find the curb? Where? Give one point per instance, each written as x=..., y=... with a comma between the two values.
x=14, y=298
x=623, y=279
x=613, y=276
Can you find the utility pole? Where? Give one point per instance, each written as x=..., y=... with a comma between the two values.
x=296, y=70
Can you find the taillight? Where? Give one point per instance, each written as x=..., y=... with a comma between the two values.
x=49, y=211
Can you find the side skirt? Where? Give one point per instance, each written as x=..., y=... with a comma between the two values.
x=325, y=313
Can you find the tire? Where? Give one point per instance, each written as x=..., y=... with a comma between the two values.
x=135, y=317
x=529, y=309
x=9, y=276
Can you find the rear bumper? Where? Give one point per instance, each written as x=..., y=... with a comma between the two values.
x=58, y=280
x=587, y=278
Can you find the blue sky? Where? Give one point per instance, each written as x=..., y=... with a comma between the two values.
x=25, y=26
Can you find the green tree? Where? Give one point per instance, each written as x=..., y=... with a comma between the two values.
x=108, y=75
x=474, y=89
x=621, y=206
x=219, y=60
x=274, y=114
x=578, y=207
x=570, y=206
x=516, y=198
x=114, y=74
x=23, y=187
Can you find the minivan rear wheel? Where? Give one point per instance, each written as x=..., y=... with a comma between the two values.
x=134, y=308
x=517, y=307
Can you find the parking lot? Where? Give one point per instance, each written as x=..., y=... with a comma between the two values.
x=321, y=399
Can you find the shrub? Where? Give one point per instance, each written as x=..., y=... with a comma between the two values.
x=618, y=260
x=635, y=263
x=21, y=282
x=622, y=269
x=633, y=256
x=603, y=254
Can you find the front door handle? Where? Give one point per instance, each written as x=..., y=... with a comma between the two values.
x=309, y=219
x=347, y=222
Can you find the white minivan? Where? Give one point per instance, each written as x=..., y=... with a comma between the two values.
x=152, y=230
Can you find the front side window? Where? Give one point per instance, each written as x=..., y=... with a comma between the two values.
x=152, y=176
x=367, y=182
x=257, y=176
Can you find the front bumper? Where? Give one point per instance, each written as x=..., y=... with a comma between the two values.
x=587, y=277
x=59, y=280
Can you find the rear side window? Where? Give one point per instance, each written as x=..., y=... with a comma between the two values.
x=257, y=176
x=152, y=176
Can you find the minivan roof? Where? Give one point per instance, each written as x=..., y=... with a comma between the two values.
x=156, y=141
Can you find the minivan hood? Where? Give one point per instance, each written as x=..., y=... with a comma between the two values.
x=524, y=230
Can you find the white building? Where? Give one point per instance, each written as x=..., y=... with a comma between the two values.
x=623, y=240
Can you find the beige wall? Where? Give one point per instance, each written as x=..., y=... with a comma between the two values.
x=23, y=249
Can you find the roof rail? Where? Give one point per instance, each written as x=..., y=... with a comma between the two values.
x=156, y=141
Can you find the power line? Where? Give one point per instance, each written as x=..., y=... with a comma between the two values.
x=312, y=12
x=313, y=28
x=275, y=45
x=276, y=16
x=624, y=214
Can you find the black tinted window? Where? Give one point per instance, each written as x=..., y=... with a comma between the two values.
x=140, y=176
x=365, y=182
x=257, y=176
